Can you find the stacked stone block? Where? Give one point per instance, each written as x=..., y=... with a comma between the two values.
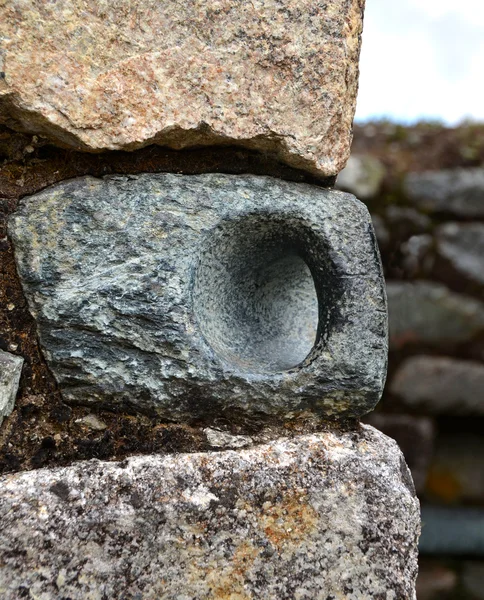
x=242, y=310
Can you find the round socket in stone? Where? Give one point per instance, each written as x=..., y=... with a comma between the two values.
x=196, y=297
x=255, y=297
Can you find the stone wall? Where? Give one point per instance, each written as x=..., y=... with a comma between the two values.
x=318, y=496
x=182, y=293
x=424, y=186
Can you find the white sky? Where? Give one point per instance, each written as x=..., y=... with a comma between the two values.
x=422, y=59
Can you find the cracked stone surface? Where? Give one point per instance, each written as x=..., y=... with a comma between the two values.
x=197, y=296
x=10, y=370
x=318, y=516
x=276, y=76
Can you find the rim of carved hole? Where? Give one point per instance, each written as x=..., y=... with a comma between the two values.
x=258, y=296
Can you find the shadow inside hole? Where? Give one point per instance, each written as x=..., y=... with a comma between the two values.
x=255, y=297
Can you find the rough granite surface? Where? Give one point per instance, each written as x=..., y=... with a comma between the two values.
x=279, y=76
x=197, y=296
x=10, y=370
x=330, y=515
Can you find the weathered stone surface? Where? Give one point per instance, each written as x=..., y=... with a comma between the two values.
x=430, y=313
x=277, y=76
x=92, y=422
x=221, y=439
x=319, y=516
x=452, y=531
x=195, y=296
x=441, y=385
x=10, y=370
x=459, y=192
x=362, y=176
x=415, y=437
x=462, y=246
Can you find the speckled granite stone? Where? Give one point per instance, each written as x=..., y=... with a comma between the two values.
x=280, y=76
x=10, y=370
x=197, y=296
x=332, y=515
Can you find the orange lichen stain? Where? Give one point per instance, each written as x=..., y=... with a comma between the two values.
x=443, y=484
x=289, y=522
x=228, y=583
x=244, y=557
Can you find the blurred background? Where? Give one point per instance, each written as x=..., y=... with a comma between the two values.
x=418, y=162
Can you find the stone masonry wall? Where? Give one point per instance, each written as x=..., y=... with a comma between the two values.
x=431, y=242
x=370, y=476
x=189, y=332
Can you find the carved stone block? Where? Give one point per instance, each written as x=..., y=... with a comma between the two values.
x=197, y=296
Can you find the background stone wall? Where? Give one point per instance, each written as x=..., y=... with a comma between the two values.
x=424, y=186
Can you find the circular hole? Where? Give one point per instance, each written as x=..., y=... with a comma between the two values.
x=254, y=295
